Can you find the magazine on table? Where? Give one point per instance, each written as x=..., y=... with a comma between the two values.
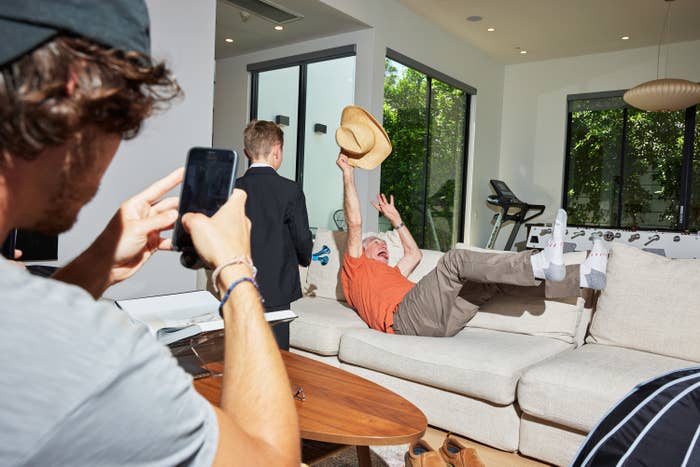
x=177, y=316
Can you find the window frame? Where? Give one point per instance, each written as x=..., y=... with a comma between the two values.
x=469, y=91
x=688, y=157
x=301, y=61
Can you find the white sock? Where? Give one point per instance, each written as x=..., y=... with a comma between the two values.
x=592, y=273
x=548, y=264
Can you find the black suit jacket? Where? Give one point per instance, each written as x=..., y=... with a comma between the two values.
x=280, y=238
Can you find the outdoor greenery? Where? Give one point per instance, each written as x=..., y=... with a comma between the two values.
x=426, y=169
x=640, y=153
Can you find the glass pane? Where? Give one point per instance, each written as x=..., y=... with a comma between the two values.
x=595, y=143
x=448, y=115
x=278, y=94
x=652, y=169
x=405, y=122
x=330, y=87
x=694, y=220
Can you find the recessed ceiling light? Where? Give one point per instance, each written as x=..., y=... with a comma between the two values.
x=279, y=28
x=474, y=19
x=523, y=52
x=229, y=40
x=625, y=38
x=491, y=29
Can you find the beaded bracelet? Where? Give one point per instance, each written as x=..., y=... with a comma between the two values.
x=399, y=226
x=233, y=286
x=237, y=260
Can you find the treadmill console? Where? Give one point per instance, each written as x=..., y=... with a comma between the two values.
x=503, y=194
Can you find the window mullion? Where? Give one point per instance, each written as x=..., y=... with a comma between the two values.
x=687, y=168
x=426, y=155
x=623, y=151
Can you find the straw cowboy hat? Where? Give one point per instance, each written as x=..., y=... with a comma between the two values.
x=362, y=138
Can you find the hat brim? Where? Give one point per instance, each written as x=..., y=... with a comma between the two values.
x=382, y=144
x=17, y=38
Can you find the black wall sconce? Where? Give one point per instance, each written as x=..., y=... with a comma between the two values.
x=320, y=128
x=282, y=120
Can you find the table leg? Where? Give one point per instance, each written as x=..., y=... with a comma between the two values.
x=363, y=458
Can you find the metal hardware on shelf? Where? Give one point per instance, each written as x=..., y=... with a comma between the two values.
x=652, y=239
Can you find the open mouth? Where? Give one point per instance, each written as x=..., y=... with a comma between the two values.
x=383, y=254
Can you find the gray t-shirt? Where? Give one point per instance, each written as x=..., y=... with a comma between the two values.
x=80, y=384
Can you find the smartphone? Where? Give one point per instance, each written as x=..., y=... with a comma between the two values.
x=210, y=175
x=9, y=245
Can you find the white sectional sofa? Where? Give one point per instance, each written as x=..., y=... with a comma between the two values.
x=517, y=380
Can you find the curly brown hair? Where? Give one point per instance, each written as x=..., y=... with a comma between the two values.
x=114, y=91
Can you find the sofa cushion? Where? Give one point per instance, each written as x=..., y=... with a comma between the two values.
x=531, y=315
x=650, y=303
x=576, y=388
x=320, y=324
x=476, y=362
x=322, y=280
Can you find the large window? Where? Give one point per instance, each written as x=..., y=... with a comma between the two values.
x=628, y=168
x=426, y=115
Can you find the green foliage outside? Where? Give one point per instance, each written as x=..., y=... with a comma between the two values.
x=426, y=186
x=651, y=183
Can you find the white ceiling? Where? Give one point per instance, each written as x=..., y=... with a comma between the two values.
x=257, y=34
x=561, y=28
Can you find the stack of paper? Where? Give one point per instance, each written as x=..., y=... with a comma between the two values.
x=174, y=317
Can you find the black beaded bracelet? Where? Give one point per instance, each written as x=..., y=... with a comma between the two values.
x=232, y=286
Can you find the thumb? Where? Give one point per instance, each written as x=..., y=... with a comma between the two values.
x=162, y=221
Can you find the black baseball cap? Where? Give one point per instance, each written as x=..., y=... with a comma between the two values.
x=118, y=24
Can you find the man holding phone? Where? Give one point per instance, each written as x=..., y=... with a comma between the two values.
x=280, y=235
x=82, y=384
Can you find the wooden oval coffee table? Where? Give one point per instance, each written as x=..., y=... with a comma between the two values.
x=341, y=407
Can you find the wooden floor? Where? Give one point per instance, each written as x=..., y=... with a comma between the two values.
x=490, y=456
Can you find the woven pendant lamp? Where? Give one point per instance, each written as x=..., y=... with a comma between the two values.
x=665, y=95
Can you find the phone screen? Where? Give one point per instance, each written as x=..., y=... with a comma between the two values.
x=209, y=178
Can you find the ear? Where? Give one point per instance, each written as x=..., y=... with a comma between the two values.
x=245, y=151
x=72, y=83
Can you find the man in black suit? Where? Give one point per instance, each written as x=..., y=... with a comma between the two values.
x=280, y=237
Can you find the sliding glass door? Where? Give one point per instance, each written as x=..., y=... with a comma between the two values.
x=306, y=95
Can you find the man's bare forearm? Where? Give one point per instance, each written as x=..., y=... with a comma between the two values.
x=255, y=392
x=89, y=271
x=353, y=215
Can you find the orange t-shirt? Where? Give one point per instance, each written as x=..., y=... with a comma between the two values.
x=374, y=289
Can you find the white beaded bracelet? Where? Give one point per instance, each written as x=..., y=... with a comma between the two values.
x=238, y=260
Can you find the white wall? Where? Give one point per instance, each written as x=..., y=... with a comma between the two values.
x=184, y=37
x=396, y=27
x=533, y=138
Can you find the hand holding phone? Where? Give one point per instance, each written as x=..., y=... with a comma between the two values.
x=209, y=179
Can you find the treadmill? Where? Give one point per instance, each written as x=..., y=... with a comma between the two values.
x=506, y=200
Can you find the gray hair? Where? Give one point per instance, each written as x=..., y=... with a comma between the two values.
x=369, y=239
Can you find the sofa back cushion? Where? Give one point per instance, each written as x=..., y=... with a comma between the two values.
x=323, y=277
x=527, y=312
x=650, y=303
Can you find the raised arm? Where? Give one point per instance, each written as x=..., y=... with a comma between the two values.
x=351, y=204
x=257, y=419
x=411, y=253
x=129, y=240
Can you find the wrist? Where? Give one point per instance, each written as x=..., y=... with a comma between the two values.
x=230, y=274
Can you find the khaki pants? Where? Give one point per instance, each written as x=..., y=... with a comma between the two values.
x=446, y=298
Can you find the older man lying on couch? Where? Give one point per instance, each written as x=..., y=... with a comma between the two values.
x=387, y=301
